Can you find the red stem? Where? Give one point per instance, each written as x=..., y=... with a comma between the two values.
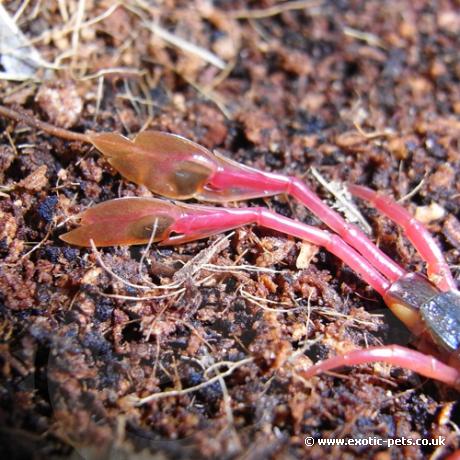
x=225, y=219
x=265, y=184
x=395, y=355
x=437, y=267
x=348, y=232
x=331, y=242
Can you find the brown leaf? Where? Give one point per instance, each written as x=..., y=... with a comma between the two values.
x=36, y=180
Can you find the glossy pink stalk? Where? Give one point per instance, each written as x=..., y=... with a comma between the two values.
x=437, y=268
x=223, y=219
x=395, y=355
x=270, y=184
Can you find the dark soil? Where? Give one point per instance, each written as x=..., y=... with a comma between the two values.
x=364, y=91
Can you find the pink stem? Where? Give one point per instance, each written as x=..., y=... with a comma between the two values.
x=224, y=219
x=331, y=242
x=437, y=268
x=395, y=355
x=265, y=184
x=348, y=232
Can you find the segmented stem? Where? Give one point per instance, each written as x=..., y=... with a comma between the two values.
x=418, y=235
